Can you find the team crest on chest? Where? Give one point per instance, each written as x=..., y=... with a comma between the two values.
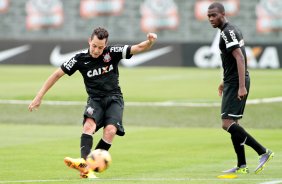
x=107, y=57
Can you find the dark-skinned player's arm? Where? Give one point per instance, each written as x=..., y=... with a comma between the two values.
x=145, y=45
x=238, y=55
x=52, y=79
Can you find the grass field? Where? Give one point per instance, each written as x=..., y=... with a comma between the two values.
x=174, y=144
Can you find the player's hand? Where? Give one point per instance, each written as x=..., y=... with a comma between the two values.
x=152, y=37
x=220, y=89
x=242, y=93
x=34, y=105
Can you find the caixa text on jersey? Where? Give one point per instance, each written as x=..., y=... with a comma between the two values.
x=100, y=71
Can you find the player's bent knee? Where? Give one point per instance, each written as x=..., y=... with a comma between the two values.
x=89, y=126
x=226, y=123
x=110, y=130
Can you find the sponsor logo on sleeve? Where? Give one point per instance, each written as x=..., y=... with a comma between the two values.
x=57, y=59
x=69, y=64
x=116, y=49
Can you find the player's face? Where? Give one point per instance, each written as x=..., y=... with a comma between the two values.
x=215, y=17
x=96, y=46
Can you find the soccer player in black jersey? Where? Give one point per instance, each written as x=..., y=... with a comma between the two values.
x=234, y=89
x=99, y=67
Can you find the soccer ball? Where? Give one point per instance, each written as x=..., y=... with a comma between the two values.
x=99, y=160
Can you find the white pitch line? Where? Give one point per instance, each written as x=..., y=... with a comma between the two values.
x=152, y=104
x=35, y=181
x=273, y=180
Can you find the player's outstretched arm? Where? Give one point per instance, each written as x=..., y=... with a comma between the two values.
x=52, y=79
x=145, y=45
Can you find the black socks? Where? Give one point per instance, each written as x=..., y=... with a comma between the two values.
x=86, y=142
x=103, y=145
x=239, y=149
x=239, y=138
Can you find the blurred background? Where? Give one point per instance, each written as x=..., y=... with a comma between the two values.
x=48, y=32
x=172, y=114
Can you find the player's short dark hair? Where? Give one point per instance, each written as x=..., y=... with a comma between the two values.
x=217, y=5
x=101, y=33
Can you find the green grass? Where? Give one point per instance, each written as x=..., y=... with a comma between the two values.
x=256, y=116
x=161, y=145
x=138, y=84
x=36, y=152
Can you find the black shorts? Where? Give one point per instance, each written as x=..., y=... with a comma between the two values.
x=231, y=106
x=105, y=111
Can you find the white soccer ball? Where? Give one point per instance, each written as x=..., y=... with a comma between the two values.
x=99, y=160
